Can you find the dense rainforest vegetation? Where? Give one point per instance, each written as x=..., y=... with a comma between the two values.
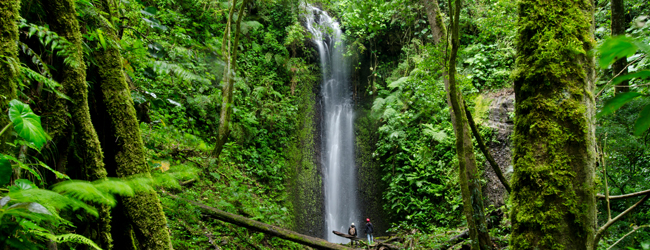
x=195, y=124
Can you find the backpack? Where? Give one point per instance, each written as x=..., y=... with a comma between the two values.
x=352, y=231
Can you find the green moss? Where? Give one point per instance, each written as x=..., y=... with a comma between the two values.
x=305, y=183
x=8, y=59
x=143, y=210
x=553, y=188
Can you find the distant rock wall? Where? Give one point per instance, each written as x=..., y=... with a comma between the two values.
x=306, y=184
x=501, y=110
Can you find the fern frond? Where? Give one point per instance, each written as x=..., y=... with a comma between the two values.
x=389, y=112
x=249, y=25
x=397, y=134
x=398, y=84
x=259, y=92
x=114, y=186
x=51, y=84
x=162, y=67
x=50, y=38
x=378, y=104
x=53, y=201
x=36, y=59
x=435, y=134
x=84, y=191
x=140, y=183
x=75, y=238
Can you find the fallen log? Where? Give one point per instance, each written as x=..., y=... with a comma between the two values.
x=263, y=227
x=351, y=237
x=386, y=246
x=455, y=240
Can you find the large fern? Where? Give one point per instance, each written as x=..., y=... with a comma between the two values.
x=166, y=68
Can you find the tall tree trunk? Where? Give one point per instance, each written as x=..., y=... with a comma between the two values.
x=9, y=64
x=553, y=196
x=143, y=211
x=473, y=207
x=62, y=18
x=618, y=28
x=229, y=51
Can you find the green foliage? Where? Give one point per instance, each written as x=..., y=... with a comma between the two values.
x=621, y=47
x=627, y=159
x=5, y=170
x=49, y=39
x=617, y=102
x=26, y=123
x=489, y=67
x=422, y=187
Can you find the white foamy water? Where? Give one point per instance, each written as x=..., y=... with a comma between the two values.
x=337, y=126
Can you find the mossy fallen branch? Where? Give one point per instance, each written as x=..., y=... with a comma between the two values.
x=262, y=227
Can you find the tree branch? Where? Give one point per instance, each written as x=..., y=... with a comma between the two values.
x=631, y=232
x=484, y=150
x=623, y=196
x=602, y=229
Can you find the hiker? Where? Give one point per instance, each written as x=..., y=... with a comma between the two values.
x=369, y=230
x=353, y=232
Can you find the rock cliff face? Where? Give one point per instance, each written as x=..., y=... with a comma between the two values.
x=500, y=119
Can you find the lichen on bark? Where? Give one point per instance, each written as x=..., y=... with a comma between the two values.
x=554, y=157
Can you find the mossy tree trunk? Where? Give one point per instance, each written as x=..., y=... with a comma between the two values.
x=8, y=61
x=618, y=28
x=553, y=196
x=143, y=211
x=473, y=207
x=62, y=19
x=229, y=50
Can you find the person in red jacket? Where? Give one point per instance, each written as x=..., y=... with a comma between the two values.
x=369, y=230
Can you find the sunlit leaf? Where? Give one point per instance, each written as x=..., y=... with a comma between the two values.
x=643, y=121
x=617, y=102
x=26, y=123
x=24, y=184
x=639, y=74
x=4, y=201
x=616, y=48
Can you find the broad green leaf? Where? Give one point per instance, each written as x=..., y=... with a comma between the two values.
x=617, y=102
x=643, y=121
x=24, y=184
x=149, y=11
x=37, y=208
x=26, y=123
x=4, y=201
x=615, y=48
x=5, y=170
x=32, y=207
x=639, y=74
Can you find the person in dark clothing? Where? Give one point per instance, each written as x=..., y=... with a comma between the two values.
x=352, y=231
x=369, y=230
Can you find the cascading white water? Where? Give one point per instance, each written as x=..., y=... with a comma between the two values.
x=337, y=128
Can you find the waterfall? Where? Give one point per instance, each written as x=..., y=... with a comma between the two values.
x=339, y=171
